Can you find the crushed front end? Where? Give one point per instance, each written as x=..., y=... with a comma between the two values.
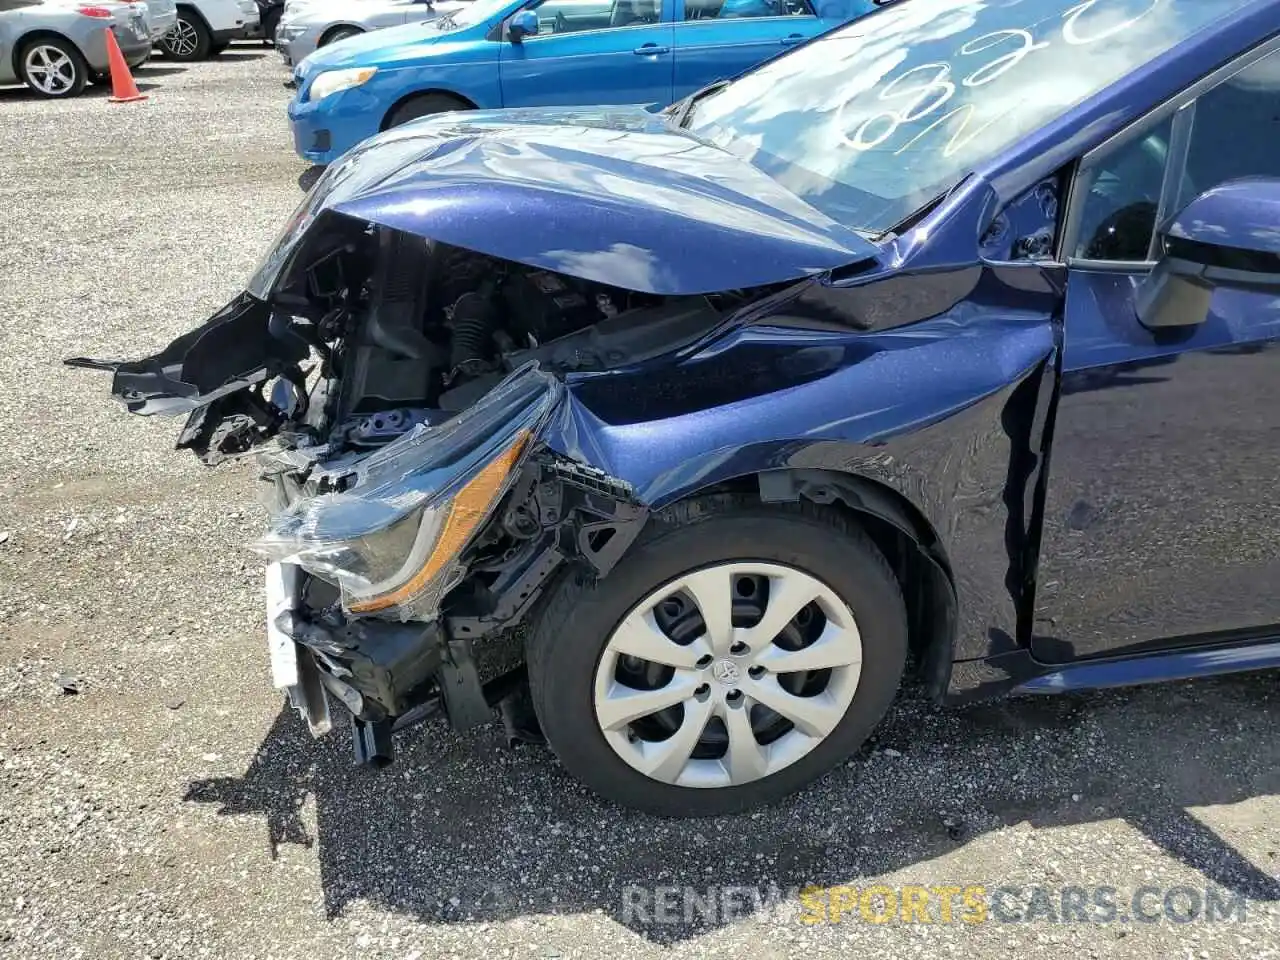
x=396, y=393
x=406, y=365
x=399, y=576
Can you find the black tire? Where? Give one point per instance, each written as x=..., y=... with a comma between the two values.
x=79, y=69
x=219, y=47
x=339, y=33
x=423, y=105
x=578, y=615
x=189, y=40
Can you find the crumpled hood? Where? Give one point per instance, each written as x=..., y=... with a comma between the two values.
x=616, y=195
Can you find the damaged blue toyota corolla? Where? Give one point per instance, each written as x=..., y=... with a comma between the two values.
x=944, y=344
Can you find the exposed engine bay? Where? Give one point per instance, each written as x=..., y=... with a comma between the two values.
x=384, y=342
x=416, y=515
x=411, y=332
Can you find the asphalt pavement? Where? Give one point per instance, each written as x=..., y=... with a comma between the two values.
x=156, y=800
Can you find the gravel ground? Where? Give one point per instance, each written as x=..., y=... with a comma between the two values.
x=171, y=808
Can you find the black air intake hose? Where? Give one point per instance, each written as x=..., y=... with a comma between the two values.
x=400, y=287
x=472, y=324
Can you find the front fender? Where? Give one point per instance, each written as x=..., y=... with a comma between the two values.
x=472, y=81
x=949, y=413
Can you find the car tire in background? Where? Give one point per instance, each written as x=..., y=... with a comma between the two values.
x=789, y=586
x=217, y=48
x=52, y=67
x=189, y=40
x=422, y=105
x=339, y=33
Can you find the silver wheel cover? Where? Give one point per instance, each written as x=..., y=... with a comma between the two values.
x=49, y=70
x=725, y=672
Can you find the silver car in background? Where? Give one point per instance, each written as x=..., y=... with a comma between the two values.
x=310, y=24
x=56, y=47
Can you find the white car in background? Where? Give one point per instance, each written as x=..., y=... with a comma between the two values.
x=307, y=25
x=161, y=17
x=204, y=28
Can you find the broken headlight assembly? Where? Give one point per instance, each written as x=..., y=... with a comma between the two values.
x=390, y=531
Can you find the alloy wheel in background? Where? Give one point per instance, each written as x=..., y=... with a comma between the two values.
x=187, y=39
x=727, y=674
x=51, y=70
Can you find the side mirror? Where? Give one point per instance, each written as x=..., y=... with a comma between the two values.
x=522, y=24
x=1227, y=237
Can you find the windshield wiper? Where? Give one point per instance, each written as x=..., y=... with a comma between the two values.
x=685, y=113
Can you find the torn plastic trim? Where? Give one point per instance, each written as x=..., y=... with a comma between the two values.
x=239, y=347
x=391, y=535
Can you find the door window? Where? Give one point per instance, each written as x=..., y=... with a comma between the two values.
x=1227, y=133
x=575, y=16
x=740, y=9
x=1123, y=194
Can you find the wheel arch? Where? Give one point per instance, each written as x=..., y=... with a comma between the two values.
x=465, y=103
x=901, y=532
x=41, y=33
x=193, y=9
x=329, y=31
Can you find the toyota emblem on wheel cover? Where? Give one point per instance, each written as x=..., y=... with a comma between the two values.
x=726, y=671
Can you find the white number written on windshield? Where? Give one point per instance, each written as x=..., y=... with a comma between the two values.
x=925, y=90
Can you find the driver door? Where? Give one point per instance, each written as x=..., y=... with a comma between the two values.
x=1162, y=517
x=718, y=39
x=591, y=52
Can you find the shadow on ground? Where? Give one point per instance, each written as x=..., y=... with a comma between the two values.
x=151, y=69
x=141, y=77
x=464, y=829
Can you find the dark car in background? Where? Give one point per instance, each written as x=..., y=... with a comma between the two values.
x=269, y=13
x=946, y=343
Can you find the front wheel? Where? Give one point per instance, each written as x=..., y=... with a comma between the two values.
x=53, y=68
x=734, y=655
x=423, y=105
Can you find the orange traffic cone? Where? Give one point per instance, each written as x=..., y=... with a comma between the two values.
x=123, y=89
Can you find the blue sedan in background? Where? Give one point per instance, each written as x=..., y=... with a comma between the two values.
x=517, y=53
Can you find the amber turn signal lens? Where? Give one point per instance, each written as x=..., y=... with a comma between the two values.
x=466, y=511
